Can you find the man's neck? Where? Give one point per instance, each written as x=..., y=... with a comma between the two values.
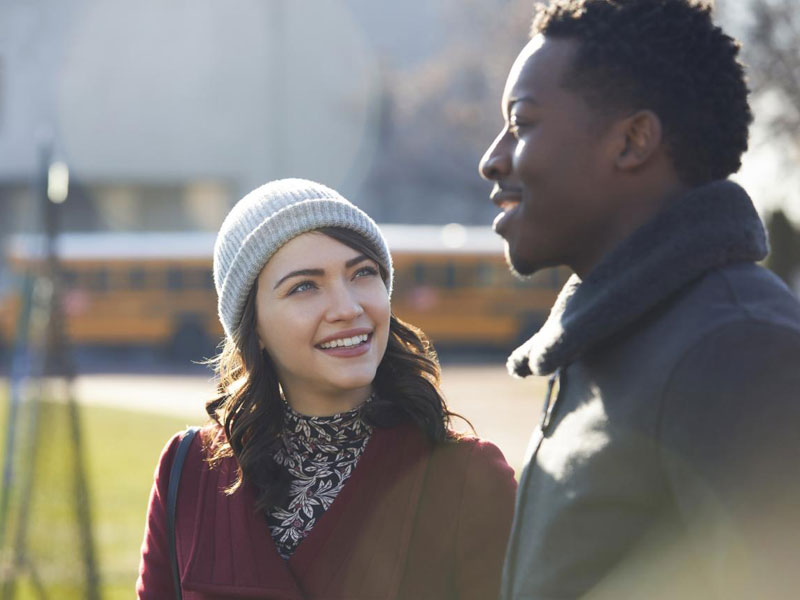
x=636, y=206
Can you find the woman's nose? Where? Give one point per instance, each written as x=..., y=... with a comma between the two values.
x=345, y=305
x=496, y=162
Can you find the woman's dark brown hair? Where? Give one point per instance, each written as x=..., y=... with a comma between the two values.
x=249, y=409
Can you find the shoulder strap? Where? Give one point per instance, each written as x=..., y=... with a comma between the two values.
x=172, y=501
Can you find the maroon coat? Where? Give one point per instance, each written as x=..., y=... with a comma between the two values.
x=412, y=521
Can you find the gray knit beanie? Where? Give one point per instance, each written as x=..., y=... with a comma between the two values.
x=264, y=220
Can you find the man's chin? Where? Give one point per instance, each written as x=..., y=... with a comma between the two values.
x=519, y=268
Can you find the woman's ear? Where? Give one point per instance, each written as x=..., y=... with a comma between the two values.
x=640, y=136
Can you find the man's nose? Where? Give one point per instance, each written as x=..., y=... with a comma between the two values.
x=496, y=162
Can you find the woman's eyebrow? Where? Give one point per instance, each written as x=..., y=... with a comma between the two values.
x=354, y=261
x=319, y=272
x=300, y=273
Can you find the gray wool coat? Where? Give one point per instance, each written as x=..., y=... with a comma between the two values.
x=667, y=463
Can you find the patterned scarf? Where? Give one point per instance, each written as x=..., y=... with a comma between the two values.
x=320, y=454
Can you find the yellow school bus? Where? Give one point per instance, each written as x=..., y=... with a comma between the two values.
x=157, y=289
x=453, y=283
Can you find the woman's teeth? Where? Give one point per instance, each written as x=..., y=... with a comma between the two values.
x=351, y=341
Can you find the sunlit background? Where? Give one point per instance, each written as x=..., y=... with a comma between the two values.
x=158, y=116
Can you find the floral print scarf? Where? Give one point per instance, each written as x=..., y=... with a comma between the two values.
x=320, y=454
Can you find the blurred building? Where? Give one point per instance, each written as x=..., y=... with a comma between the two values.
x=168, y=112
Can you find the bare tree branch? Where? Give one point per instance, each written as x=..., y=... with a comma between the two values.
x=772, y=51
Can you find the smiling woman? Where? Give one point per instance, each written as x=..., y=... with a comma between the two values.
x=325, y=324
x=328, y=469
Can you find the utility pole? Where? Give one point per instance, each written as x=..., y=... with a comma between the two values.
x=45, y=320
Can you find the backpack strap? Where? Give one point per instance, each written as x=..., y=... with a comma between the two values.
x=172, y=501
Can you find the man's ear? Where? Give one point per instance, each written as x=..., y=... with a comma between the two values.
x=639, y=136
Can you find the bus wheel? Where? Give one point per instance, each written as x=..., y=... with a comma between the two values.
x=190, y=341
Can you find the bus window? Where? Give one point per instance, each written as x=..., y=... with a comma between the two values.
x=96, y=280
x=420, y=274
x=137, y=277
x=118, y=278
x=436, y=274
x=503, y=277
x=174, y=279
x=449, y=275
x=69, y=278
x=403, y=276
x=475, y=274
x=196, y=279
x=484, y=274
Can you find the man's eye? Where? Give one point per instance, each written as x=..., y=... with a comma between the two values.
x=515, y=126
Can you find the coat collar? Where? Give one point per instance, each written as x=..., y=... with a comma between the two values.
x=709, y=227
x=359, y=543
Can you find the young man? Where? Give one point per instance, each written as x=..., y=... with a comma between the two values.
x=667, y=461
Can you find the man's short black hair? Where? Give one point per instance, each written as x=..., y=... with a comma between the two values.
x=666, y=56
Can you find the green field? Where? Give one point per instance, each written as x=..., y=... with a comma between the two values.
x=121, y=449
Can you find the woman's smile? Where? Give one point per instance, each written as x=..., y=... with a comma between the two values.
x=347, y=344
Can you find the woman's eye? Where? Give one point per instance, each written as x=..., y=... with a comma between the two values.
x=366, y=272
x=303, y=286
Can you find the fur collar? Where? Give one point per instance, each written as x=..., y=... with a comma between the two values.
x=711, y=226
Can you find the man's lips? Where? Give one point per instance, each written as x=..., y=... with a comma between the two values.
x=507, y=199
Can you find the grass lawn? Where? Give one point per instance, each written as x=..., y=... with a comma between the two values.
x=121, y=449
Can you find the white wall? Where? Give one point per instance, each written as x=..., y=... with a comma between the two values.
x=188, y=89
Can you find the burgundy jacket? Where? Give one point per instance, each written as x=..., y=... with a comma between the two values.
x=412, y=521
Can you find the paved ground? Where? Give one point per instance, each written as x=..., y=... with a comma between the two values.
x=502, y=409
